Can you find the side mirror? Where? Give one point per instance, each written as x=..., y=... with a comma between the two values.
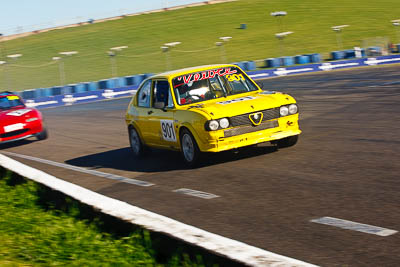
x=260, y=84
x=159, y=105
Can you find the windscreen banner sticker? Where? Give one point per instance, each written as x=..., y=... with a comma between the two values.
x=236, y=100
x=19, y=112
x=168, y=131
x=206, y=75
x=235, y=77
x=12, y=97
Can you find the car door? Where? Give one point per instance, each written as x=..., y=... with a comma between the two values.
x=162, y=122
x=143, y=111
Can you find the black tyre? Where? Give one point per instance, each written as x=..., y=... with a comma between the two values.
x=288, y=141
x=42, y=135
x=135, y=142
x=189, y=148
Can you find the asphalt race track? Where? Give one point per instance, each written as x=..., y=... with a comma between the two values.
x=346, y=165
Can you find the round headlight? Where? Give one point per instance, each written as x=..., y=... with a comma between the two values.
x=224, y=123
x=284, y=111
x=293, y=109
x=213, y=125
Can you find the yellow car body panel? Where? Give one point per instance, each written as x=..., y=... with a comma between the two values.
x=161, y=128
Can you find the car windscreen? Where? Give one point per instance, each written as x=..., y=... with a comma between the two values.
x=11, y=101
x=211, y=84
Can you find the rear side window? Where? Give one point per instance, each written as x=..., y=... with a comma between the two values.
x=144, y=95
x=161, y=93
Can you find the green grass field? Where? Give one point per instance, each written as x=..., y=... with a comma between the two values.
x=198, y=28
x=39, y=227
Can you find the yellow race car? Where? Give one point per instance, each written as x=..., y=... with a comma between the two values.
x=208, y=109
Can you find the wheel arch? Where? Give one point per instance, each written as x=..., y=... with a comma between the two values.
x=133, y=125
x=191, y=130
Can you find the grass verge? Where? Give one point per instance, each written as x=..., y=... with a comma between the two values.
x=42, y=227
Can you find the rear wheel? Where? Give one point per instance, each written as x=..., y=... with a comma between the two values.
x=135, y=142
x=189, y=148
x=288, y=141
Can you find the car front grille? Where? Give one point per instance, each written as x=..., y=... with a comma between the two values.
x=13, y=133
x=250, y=129
x=243, y=119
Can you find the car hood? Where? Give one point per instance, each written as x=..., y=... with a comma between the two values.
x=241, y=104
x=16, y=115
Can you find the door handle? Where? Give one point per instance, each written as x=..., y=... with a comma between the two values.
x=149, y=112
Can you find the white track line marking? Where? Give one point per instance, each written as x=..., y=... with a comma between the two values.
x=235, y=250
x=195, y=193
x=79, y=169
x=349, y=225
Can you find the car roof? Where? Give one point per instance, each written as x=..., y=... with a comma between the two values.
x=179, y=72
x=7, y=93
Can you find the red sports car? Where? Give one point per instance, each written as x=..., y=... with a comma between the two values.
x=18, y=121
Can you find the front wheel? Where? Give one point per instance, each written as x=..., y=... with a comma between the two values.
x=189, y=148
x=42, y=135
x=288, y=141
x=135, y=142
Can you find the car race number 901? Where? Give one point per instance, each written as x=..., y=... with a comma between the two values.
x=168, y=131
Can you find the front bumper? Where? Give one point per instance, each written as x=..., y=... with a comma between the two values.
x=245, y=136
x=15, y=139
x=29, y=130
